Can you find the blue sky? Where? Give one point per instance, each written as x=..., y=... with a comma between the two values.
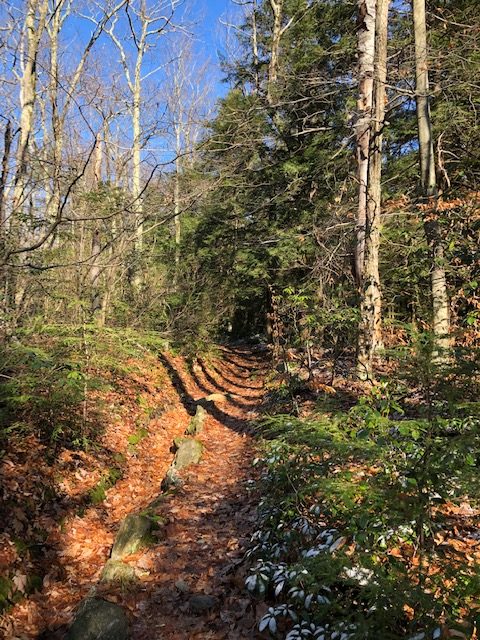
x=202, y=20
x=210, y=33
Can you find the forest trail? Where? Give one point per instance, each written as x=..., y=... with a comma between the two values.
x=208, y=520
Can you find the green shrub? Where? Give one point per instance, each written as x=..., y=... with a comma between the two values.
x=348, y=500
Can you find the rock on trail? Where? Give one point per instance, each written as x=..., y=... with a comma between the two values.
x=181, y=580
x=211, y=518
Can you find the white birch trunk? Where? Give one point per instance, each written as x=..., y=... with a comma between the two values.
x=34, y=27
x=137, y=177
x=176, y=196
x=366, y=55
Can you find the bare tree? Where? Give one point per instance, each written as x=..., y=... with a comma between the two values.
x=33, y=31
x=68, y=84
x=428, y=184
x=366, y=55
x=145, y=24
x=369, y=339
x=187, y=90
x=278, y=29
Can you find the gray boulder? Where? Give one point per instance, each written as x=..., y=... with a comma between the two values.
x=171, y=479
x=177, y=442
x=202, y=602
x=196, y=423
x=98, y=619
x=189, y=452
x=117, y=571
x=135, y=532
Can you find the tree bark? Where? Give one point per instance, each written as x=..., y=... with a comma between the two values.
x=95, y=269
x=34, y=27
x=428, y=185
x=256, y=82
x=53, y=188
x=176, y=197
x=137, y=174
x=7, y=145
x=366, y=56
x=369, y=340
x=277, y=9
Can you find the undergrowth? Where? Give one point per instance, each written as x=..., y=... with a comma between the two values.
x=365, y=529
x=60, y=387
x=49, y=376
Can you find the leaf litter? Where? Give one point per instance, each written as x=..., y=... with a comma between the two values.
x=208, y=521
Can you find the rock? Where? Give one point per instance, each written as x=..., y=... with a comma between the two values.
x=135, y=532
x=182, y=586
x=201, y=603
x=98, y=619
x=156, y=503
x=221, y=398
x=189, y=452
x=196, y=423
x=177, y=442
x=117, y=571
x=171, y=480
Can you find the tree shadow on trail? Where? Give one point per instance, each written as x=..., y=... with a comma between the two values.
x=223, y=511
x=210, y=522
x=220, y=387
x=247, y=368
x=211, y=518
x=186, y=399
x=236, y=423
x=202, y=386
x=240, y=425
x=232, y=382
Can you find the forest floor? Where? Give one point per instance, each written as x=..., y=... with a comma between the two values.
x=208, y=521
x=333, y=502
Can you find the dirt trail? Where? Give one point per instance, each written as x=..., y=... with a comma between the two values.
x=209, y=519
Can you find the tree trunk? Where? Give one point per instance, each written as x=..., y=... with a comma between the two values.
x=95, y=269
x=256, y=81
x=176, y=193
x=53, y=189
x=7, y=145
x=277, y=9
x=137, y=178
x=34, y=27
x=369, y=340
x=366, y=56
x=428, y=184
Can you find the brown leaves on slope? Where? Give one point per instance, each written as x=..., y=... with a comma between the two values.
x=67, y=538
